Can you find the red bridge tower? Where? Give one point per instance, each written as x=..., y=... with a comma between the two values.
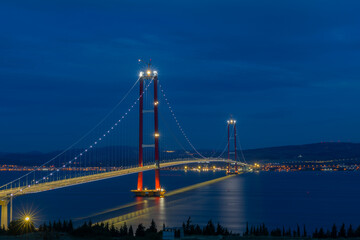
x=140, y=191
x=232, y=122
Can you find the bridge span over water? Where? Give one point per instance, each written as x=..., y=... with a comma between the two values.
x=108, y=150
x=7, y=195
x=42, y=187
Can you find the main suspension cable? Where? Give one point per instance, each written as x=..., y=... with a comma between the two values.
x=178, y=124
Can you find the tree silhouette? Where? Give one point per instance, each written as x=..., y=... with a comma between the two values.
x=350, y=232
x=304, y=233
x=131, y=231
x=152, y=227
x=140, y=231
x=209, y=229
x=18, y=227
x=342, y=232
x=124, y=230
x=333, y=231
x=247, y=229
x=321, y=233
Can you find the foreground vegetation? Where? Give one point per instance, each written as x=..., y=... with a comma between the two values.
x=57, y=230
x=321, y=233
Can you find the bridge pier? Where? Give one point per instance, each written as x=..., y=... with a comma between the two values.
x=4, y=212
x=11, y=209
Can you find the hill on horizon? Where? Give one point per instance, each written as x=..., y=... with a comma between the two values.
x=304, y=152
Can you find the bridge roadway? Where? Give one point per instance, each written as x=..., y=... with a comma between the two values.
x=41, y=187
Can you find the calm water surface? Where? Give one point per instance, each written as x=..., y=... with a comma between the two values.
x=312, y=198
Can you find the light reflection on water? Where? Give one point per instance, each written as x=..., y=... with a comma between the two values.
x=86, y=201
x=312, y=198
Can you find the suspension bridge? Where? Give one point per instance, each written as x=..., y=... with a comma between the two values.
x=86, y=160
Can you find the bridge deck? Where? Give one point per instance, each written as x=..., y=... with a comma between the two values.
x=41, y=187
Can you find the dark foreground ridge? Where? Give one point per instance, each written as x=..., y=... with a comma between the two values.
x=188, y=230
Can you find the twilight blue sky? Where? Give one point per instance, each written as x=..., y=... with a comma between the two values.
x=288, y=71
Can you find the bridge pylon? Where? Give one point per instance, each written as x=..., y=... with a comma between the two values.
x=229, y=123
x=4, y=213
x=140, y=191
